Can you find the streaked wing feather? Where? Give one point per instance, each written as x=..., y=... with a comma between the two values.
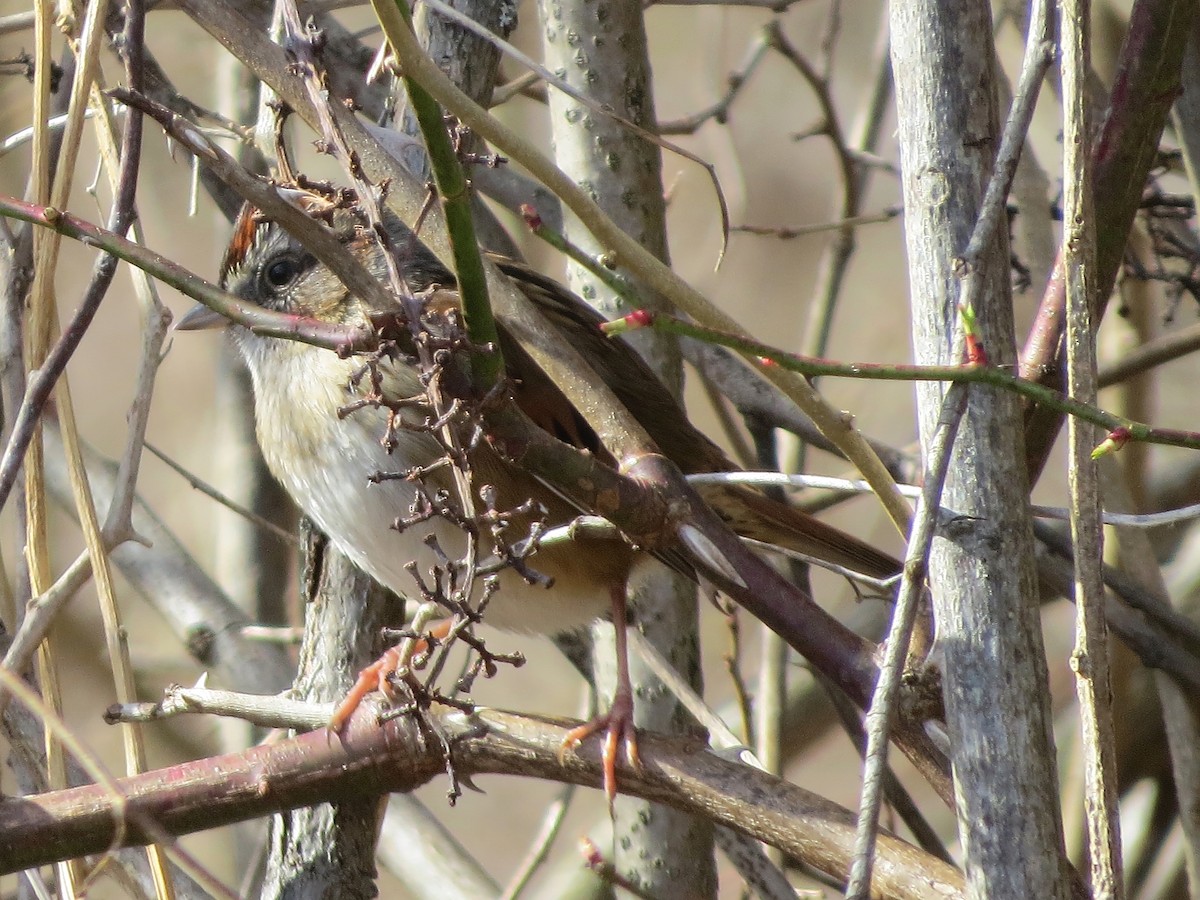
x=748, y=511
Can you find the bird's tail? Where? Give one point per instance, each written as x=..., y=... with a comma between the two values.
x=754, y=515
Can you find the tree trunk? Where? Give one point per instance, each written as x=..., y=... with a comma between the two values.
x=981, y=566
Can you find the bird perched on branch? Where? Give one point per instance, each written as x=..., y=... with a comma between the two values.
x=355, y=473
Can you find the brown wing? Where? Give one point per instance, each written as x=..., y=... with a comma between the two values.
x=749, y=512
x=622, y=369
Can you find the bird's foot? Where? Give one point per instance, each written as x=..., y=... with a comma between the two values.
x=617, y=725
x=376, y=676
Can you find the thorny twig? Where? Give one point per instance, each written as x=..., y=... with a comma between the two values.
x=41, y=383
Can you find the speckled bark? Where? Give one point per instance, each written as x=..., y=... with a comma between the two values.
x=599, y=47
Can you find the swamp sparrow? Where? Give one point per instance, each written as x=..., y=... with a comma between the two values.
x=329, y=459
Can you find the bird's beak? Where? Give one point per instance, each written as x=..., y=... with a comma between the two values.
x=199, y=318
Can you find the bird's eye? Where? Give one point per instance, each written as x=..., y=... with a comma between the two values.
x=280, y=272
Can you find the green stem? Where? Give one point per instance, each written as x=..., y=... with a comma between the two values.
x=614, y=281
x=455, y=195
x=989, y=375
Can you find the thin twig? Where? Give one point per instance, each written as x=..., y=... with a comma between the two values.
x=1144, y=90
x=209, y=491
x=721, y=736
x=122, y=216
x=1121, y=429
x=16, y=22
x=879, y=716
x=39, y=321
x=1090, y=658
x=1153, y=353
x=791, y=232
x=894, y=792
x=543, y=842
x=25, y=135
x=266, y=711
x=851, y=174
x=857, y=486
x=735, y=82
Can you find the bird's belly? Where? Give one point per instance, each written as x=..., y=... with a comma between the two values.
x=331, y=480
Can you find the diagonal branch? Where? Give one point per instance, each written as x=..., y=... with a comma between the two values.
x=371, y=759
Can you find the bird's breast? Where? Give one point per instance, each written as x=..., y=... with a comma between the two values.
x=331, y=465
